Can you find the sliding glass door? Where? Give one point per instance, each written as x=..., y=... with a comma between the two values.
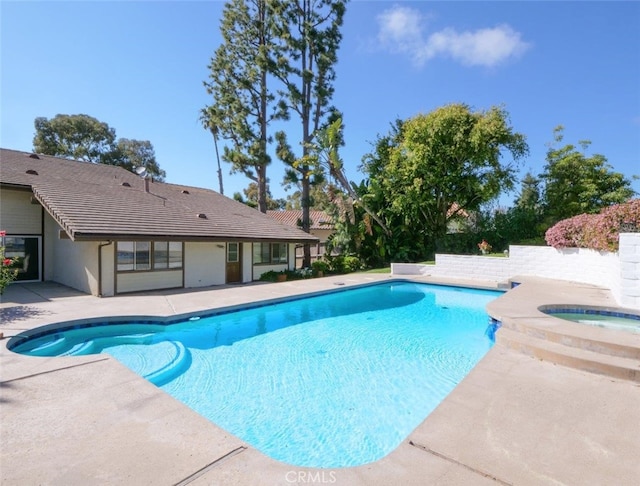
x=26, y=250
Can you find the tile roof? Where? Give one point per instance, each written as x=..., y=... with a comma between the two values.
x=319, y=219
x=97, y=201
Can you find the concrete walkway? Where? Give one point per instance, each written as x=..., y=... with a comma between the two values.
x=513, y=420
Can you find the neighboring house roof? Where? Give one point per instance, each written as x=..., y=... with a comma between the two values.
x=319, y=219
x=455, y=208
x=97, y=202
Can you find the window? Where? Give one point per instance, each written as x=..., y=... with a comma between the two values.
x=232, y=253
x=167, y=254
x=142, y=255
x=138, y=255
x=279, y=253
x=125, y=255
x=261, y=253
x=270, y=253
x=175, y=254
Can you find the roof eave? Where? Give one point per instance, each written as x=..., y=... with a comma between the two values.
x=80, y=236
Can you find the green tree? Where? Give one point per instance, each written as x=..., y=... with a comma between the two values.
x=577, y=184
x=250, y=198
x=78, y=137
x=132, y=154
x=326, y=149
x=318, y=197
x=530, y=193
x=82, y=137
x=309, y=35
x=444, y=163
x=243, y=103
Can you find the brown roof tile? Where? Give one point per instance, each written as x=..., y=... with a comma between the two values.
x=96, y=201
x=319, y=219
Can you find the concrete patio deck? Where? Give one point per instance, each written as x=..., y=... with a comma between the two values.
x=513, y=420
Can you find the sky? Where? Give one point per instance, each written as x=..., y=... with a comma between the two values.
x=140, y=68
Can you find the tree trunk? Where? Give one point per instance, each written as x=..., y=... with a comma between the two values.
x=306, y=224
x=215, y=144
x=262, y=188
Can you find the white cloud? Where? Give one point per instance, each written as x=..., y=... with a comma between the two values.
x=401, y=29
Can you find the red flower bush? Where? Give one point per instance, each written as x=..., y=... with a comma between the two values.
x=596, y=231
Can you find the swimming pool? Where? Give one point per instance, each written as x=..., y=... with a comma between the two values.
x=328, y=381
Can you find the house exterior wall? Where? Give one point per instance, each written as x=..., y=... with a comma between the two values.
x=204, y=264
x=75, y=264
x=108, y=270
x=17, y=215
x=323, y=234
x=155, y=280
x=247, y=262
x=49, y=239
x=292, y=256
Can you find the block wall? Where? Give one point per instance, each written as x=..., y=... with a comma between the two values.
x=628, y=293
x=620, y=272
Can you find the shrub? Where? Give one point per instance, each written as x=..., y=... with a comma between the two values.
x=485, y=247
x=270, y=276
x=352, y=264
x=343, y=264
x=596, y=231
x=320, y=266
x=300, y=273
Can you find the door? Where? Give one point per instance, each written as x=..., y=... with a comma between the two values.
x=234, y=268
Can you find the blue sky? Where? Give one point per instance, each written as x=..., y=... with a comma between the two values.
x=139, y=66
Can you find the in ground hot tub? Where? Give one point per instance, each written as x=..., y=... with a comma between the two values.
x=620, y=319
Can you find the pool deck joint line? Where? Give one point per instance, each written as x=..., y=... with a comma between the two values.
x=208, y=467
x=458, y=463
x=61, y=368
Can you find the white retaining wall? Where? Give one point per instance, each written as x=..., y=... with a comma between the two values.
x=619, y=271
x=473, y=267
x=629, y=289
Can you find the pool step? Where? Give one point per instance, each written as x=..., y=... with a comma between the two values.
x=79, y=349
x=536, y=329
x=620, y=367
x=47, y=349
x=174, y=368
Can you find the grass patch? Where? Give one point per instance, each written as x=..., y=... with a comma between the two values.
x=378, y=270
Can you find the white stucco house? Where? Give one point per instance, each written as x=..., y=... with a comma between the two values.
x=106, y=231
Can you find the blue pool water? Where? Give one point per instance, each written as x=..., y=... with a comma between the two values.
x=328, y=381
